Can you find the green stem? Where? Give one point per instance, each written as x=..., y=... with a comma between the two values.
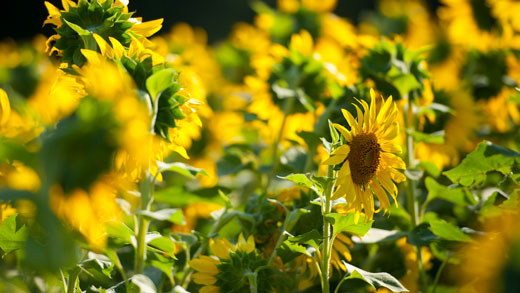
x=411, y=198
x=73, y=278
x=438, y=275
x=140, y=255
x=251, y=277
x=119, y=266
x=147, y=190
x=289, y=104
x=327, y=239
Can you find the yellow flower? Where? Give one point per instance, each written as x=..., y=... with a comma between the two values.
x=208, y=268
x=14, y=125
x=369, y=163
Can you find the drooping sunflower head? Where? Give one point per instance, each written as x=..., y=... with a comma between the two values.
x=228, y=271
x=77, y=23
x=367, y=161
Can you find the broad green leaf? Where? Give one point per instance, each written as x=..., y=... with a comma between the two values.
x=448, y=231
x=143, y=283
x=405, y=83
x=160, y=81
x=120, y=232
x=429, y=167
x=12, y=238
x=458, y=196
x=421, y=236
x=292, y=247
x=165, y=244
x=375, y=235
x=312, y=238
x=299, y=179
x=99, y=267
x=88, y=40
x=180, y=168
x=487, y=157
x=346, y=223
x=172, y=215
x=376, y=280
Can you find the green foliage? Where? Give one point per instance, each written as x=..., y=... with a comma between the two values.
x=348, y=223
x=486, y=158
x=376, y=280
x=12, y=237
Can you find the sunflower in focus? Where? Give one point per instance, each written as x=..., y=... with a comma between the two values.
x=368, y=161
x=227, y=271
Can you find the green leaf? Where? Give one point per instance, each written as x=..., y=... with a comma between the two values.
x=312, y=238
x=458, y=196
x=376, y=280
x=12, y=238
x=429, y=167
x=165, y=244
x=144, y=283
x=405, y=83
x=88, y=40
x=333, y=133
x=293, y=218
x=421, y=236
x=346, y=223
x=300, y=179
x=172, y=215
x=181, y=168
x=434, y=138
x=487, y=157
x=448, y=231
x=120, y=232
x=375, y=235
x=295, y=247
x=160, y=81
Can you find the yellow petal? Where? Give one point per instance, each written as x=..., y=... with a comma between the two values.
x=204, y=266
x=203, y=279
x=391, y=147
x=342, y=150
x=5, y=108
x=105, y=49
x=380, y=193
x=209, y=289
x=346, y=134
x=147, y=28
x=387, y=183
x=360, y=119
x=351, y=121
x=119, y=50
x=335, y=160
x=92, y=57
x=393, y=161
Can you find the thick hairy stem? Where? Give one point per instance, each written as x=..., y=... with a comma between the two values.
x=251, y=277
x=73, y=278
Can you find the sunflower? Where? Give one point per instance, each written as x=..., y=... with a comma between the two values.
x=228, y=270
x=368, y=160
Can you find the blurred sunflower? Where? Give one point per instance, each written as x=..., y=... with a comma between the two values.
x=227, y=272
x=368, y=157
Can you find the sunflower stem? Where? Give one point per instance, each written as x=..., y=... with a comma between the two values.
x=147, y=189
x=289, y=104
x=411, y=198
x=325, y=255
x=251, y=277
x=73, y=278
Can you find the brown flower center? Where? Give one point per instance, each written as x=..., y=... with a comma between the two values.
x=364, y=158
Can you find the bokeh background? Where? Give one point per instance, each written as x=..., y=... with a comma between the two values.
x=23, y=19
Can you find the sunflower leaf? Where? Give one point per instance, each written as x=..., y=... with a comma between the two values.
x=11, y=237
x=348, y=223
x=300, y=179
x=312, y=238
x=487, y=157
x=376, y=280
x=448, y=231
x=180, y=168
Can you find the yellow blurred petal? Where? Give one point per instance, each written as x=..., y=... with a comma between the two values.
x=105, y=49
x=209, y=289
x=204, y=266
x=92, y=57
x=342, y=150
x=147, y=28
x=351, y=121
x=203, y=279
x=5, y=108
x=393, y=161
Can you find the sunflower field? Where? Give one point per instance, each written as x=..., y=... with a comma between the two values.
x=306, y=152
